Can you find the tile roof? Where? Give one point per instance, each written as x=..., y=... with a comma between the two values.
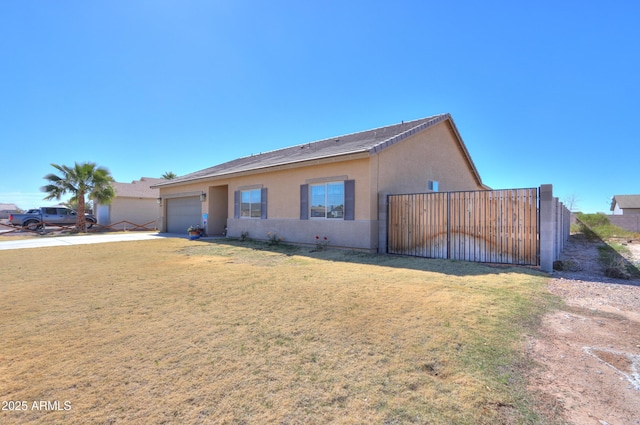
x=625, y=201
x=8, y=207
x=370, y=141
x=138, y=188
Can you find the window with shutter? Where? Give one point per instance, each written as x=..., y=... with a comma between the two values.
x=328, y=200
x=250, y=203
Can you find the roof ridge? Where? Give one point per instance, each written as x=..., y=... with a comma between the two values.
x=369, y=142
x=398, y=137
x=346, y=135
x=370, y=130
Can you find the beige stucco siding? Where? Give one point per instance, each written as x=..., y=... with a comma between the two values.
x=140, y=211
x=283, y=186
x=433, y=154
x=283, y=205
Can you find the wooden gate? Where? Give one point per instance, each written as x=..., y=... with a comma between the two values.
x=490, y=226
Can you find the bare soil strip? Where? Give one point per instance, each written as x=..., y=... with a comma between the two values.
x=589, y=352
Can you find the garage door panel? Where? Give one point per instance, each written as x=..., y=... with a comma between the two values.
x=182, y=213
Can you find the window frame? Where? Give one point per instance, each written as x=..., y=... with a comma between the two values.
x=252, y=204
x=326, y=201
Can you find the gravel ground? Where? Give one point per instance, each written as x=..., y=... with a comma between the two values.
x=589, y=351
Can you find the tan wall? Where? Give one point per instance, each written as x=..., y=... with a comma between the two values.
x=433, y=154
x=134, y=210
x=283, y=199
x=217, y=201
x=283, y=186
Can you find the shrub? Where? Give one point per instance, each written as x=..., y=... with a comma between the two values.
x=596, y=226
x=594, y=220
x=321, y=243
x=273, y=239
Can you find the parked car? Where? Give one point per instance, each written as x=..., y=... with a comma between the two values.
x=58, y=215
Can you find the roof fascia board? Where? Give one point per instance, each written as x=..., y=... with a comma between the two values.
x=472, y=166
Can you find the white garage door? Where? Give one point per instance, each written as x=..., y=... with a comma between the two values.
x=182, y=213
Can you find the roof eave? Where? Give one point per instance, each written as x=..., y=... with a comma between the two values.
x=472, y=165
x=343, y=156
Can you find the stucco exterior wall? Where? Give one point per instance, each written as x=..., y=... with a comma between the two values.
x=217, y=207
x=284, y=186
x=135, y=210
x=433, y=154
x=283, y=205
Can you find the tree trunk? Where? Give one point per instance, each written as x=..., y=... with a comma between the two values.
x=81, y=222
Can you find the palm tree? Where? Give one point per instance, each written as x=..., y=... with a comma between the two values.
x=169, y=175
x=79, y=181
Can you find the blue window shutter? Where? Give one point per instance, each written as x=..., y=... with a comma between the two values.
x=349, y=199
x=263, y=203
x=236, y=204
x=304, y=202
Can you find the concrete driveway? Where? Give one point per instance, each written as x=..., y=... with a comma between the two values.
x=39, y=242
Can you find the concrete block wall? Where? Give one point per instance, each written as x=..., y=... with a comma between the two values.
x=629, y=222
x=555, y=222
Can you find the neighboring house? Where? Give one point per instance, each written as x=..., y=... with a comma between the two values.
x=625, y=204
x=135, y=202
x=7, y=209
x=334, y=188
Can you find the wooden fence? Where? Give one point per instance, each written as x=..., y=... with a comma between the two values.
x=123, y=225
x=493, y=226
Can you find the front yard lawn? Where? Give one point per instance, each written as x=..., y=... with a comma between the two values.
x=178, y=331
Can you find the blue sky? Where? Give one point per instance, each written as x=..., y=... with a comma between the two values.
x=541, y=92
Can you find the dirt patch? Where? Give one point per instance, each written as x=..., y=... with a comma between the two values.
x=589, y=352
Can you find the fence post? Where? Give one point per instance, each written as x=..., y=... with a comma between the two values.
x=547, y=228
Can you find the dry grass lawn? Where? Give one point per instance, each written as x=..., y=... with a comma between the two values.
x=178, y=331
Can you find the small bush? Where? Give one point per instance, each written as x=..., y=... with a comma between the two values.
x=613, y=263
x=566, y=265
x=594, y=220
x=273, y=239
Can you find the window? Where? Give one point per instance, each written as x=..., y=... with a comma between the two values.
x=250, y=203
x=327, y=200
x=432, y=185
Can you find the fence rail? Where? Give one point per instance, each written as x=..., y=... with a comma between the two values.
x=95, y=227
